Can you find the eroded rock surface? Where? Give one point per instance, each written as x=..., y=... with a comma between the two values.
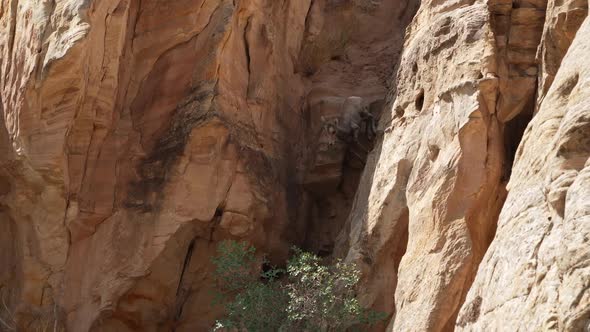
x=137, y=134
x=535, y=275
x=429, y=201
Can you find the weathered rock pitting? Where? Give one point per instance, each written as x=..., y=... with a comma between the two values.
x=436, y=173
x=535, y=273
x=434, y=187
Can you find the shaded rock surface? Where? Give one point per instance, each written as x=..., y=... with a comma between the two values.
x=137, y=134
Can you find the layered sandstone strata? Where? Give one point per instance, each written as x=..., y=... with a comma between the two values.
x=136, y=134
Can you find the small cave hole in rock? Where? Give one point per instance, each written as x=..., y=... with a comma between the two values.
x=568, y=86
x=419, y=101
x=513, y=133
x=367, y=260
x=472, y=312
x=218, y=213
x=433, y=151
x=399, y=112
x=415, y=68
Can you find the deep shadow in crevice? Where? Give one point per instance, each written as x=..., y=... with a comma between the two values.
x=512, y=136
x=329, y=207
x=419, y=101
x=182, y=289
x=382, y=265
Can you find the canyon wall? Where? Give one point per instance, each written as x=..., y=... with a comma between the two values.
x=423, y=224
x=137, y=134
x=536, y=272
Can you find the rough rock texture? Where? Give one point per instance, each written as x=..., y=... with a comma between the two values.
x=136, y=134
x=430, y=197
x=536, y=273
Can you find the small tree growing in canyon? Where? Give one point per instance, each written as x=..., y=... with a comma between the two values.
x=306, y=296
x=253, y=302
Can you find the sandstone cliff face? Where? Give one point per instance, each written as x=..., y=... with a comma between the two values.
x=136, y=134
x=472, y=75
x=536, y=272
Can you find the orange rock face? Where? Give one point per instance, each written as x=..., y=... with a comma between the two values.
x=137, y=134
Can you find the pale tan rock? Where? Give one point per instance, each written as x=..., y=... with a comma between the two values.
x=136, y=135
x=535, y=275
x=563, y=20
x=426, y=204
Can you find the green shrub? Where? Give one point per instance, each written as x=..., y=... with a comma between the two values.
x=307, y=296
x=253, y=302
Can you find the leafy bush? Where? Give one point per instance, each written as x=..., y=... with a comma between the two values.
x=256, y=298
x=307, y=296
